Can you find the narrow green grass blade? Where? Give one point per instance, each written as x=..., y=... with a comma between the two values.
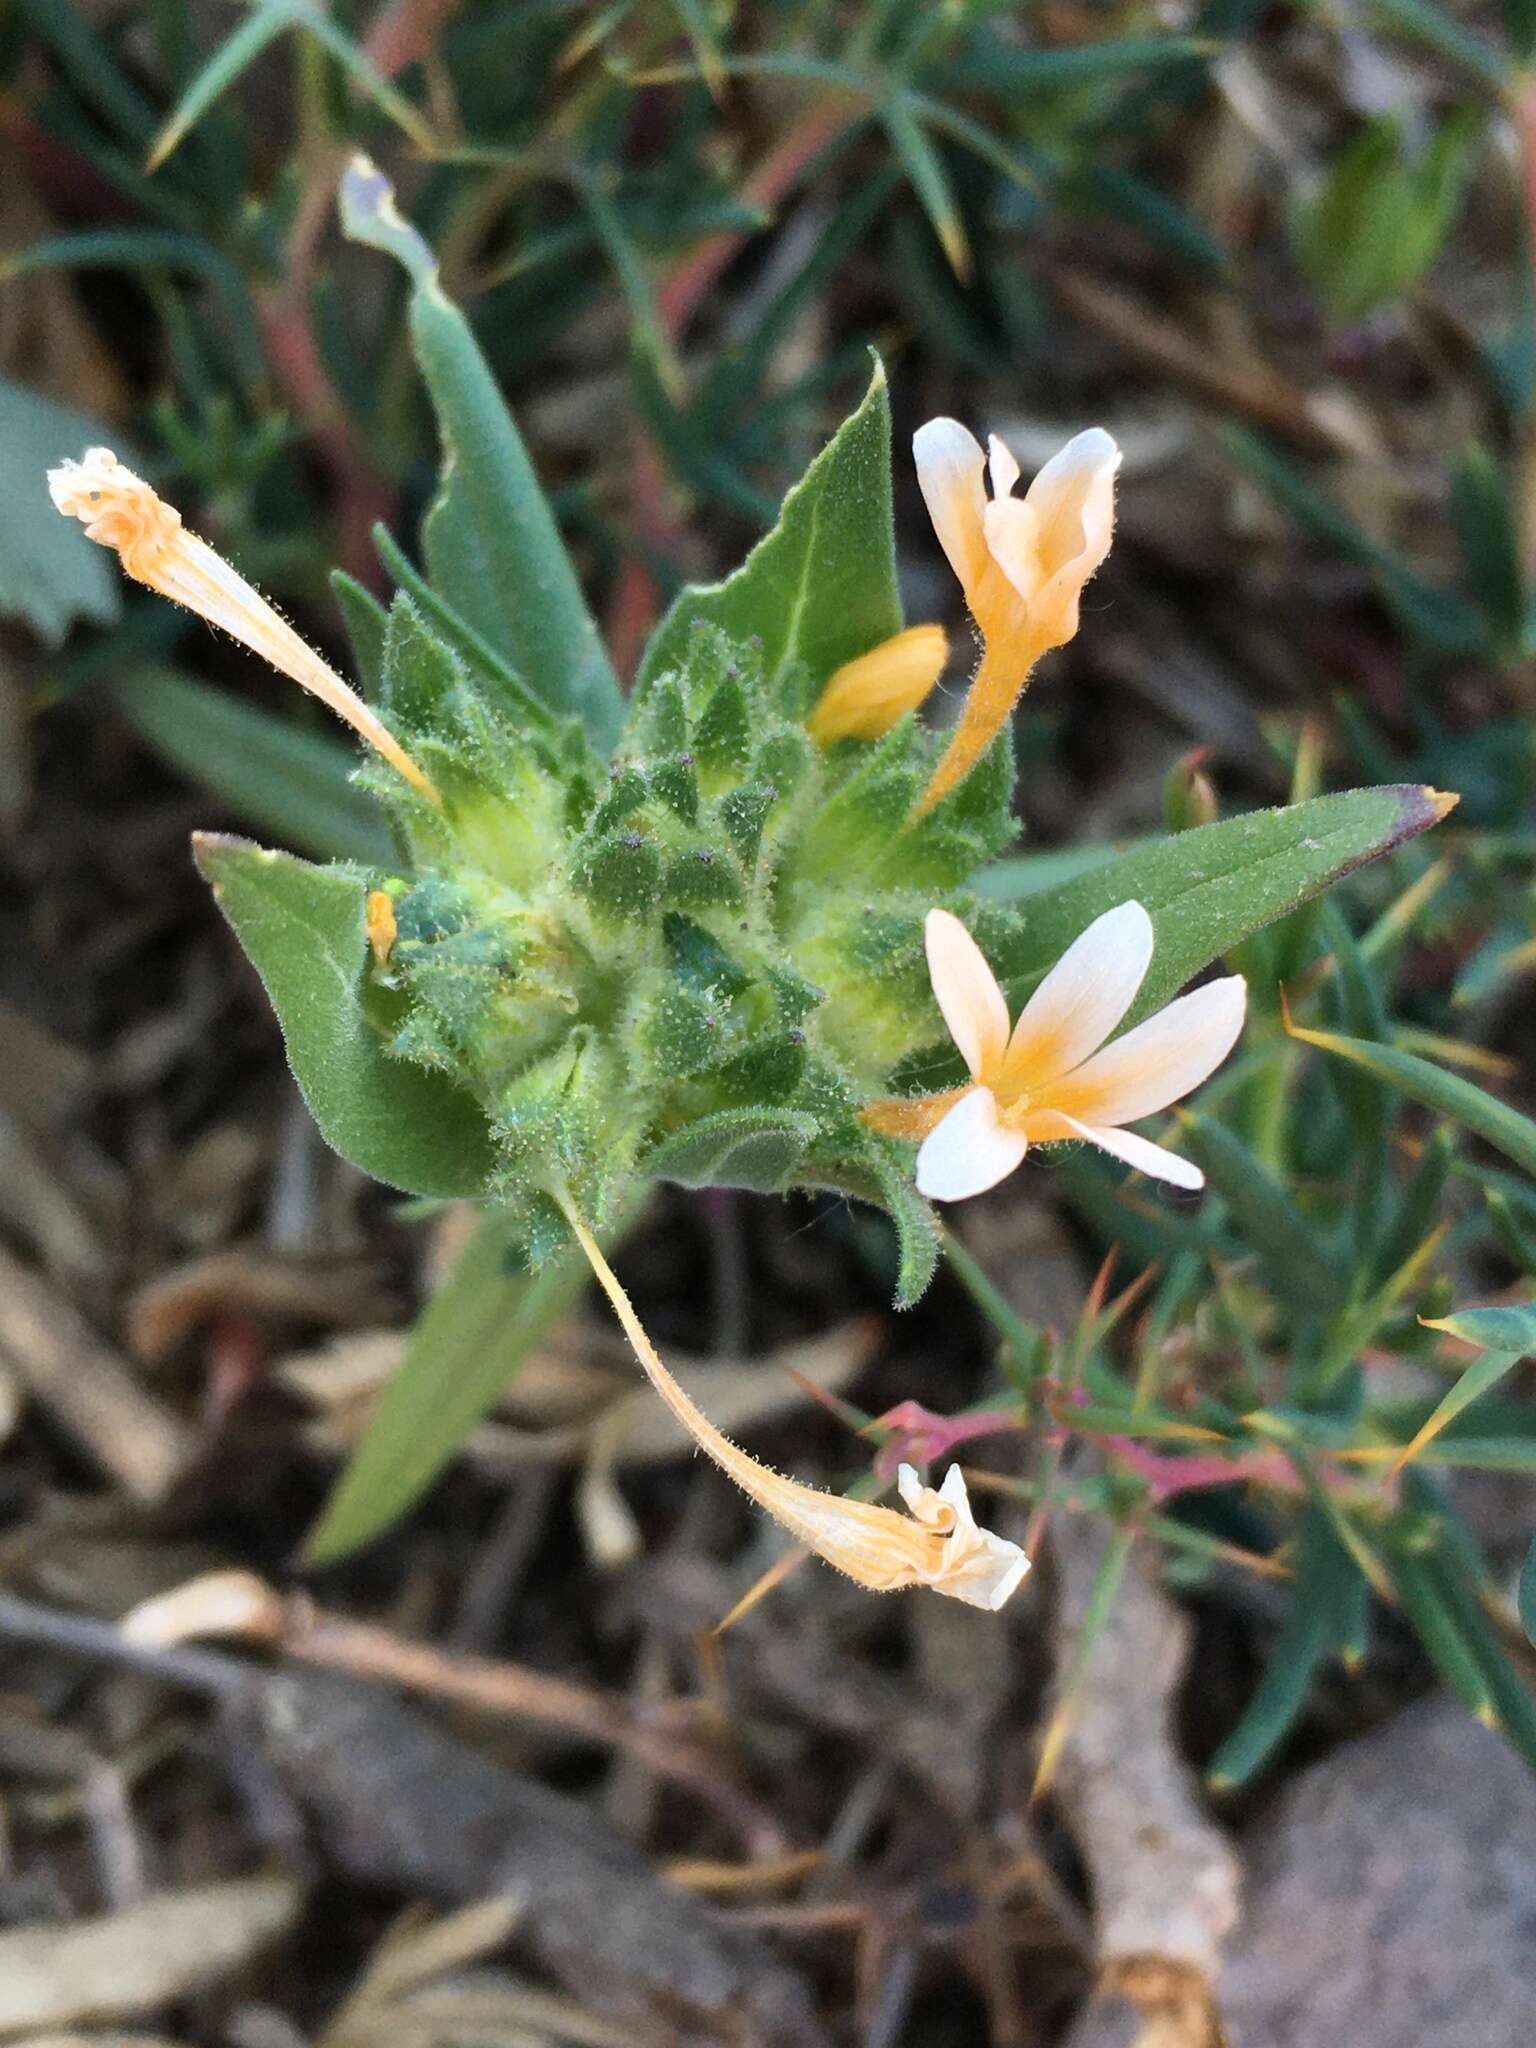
x=293, y=784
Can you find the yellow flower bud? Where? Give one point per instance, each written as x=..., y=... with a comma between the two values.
x=866, y=697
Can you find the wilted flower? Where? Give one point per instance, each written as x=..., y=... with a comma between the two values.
x=867, y=696
x=121, y=511
x=1022, y=562
x=1053, y=1078
x=936, y=1544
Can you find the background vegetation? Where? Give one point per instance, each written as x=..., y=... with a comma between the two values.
x=1284, y=252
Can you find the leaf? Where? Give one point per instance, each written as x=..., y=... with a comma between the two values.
x=1511, y=1328
x=1323, y=1575
x=1445, y=1093
x=929, y=179
x=236, y=55
x=1527, y=1593
x=1300, y=1264
x=50, y=574
x=1506, y=1335
x=735, y=1148
x=821, y=587
x=470, y=1340
x=1437, y=1629
x=1380, y=218
x=1210, y=887
x=303, y=929
x=1485, y=527
x=989, y=64
x=290, y=782
x=494, y=547
x=154, y=249
x=366, y=624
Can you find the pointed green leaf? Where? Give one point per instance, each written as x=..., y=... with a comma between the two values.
x=1447, y=1094
x=821, y=587
x=292, y=783
x=1324, y=1576
x=303, y=928
x=469, y=1342
x=496, y=551
x=1208, y=888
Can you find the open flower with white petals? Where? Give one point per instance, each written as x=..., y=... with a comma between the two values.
x=1052, y=1077
x=1022, y=562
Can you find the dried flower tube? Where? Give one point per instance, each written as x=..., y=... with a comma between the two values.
x=121, y=511
x=937, y=1544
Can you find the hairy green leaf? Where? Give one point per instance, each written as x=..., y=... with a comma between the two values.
x=303, y=928
x=821, y=587
x=1208, y=888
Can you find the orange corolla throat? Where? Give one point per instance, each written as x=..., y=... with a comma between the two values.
x=120, y=511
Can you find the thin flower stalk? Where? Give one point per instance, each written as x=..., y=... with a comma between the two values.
x=1022, y=563
x=1052, y=1077
x=936, y=1544
x=868, y=696
x=119, y=510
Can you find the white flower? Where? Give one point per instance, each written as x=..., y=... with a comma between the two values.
x=1022, y=562
x=1052, y=1077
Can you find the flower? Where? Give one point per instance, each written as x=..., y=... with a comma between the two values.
x=121, y=511
x=1022, y=562
x=869, y=695
x=937, y=1543
x=1053, y=1077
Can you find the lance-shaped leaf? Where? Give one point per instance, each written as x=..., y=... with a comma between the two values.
x=1209, y=888
x=1325, y=1582
x=468, y=1344
x=303, y=927
x=493, y=546
x=1505, y=1336
x=276, y=775
x=821, y=587
x=1448, y=1094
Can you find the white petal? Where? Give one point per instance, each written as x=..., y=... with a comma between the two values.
x=1157, y=1063
x=1077, y=477
x=1012, y=533
x=969, y=1152
x=949, y=474
x=1001, y=467
x=967, y=992
x=976, y=1566
x=1083, y=997
x=1074, y=499
x=1140, y=1153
